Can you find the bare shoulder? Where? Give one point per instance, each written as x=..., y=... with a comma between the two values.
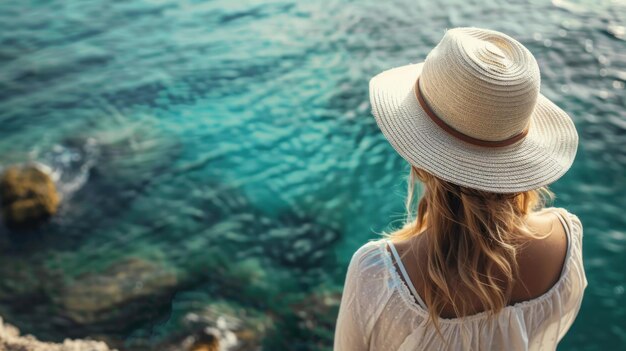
x=541, y=260
x=556, y=221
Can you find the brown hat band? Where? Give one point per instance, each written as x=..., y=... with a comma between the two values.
x=455, y=133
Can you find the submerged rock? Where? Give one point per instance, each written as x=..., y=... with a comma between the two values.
x=128, y=291
x=223, y=326
x=11, y=340
x=29, y=196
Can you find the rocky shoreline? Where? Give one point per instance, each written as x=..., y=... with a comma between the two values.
x=11, y=340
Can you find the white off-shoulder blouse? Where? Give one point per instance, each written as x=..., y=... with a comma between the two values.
x=378, y=311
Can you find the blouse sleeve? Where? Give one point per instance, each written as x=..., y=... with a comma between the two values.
x=349, y=331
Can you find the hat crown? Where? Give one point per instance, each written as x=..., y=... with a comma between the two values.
x=482, y=83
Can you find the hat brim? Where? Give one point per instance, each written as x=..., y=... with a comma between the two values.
x=540, y=158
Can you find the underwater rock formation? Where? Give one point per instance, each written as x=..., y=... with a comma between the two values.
x=126, y=292
x=29, y=196
x=11, y=340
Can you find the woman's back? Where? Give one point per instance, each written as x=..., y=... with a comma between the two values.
x=540, y=261
x=379, y=311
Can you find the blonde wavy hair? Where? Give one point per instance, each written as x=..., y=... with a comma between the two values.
x=473, y=238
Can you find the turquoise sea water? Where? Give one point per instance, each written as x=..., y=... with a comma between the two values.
x=220, y=156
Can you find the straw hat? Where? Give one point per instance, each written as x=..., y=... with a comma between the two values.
x=472, y=114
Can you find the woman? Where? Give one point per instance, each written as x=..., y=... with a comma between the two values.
x=482, y=265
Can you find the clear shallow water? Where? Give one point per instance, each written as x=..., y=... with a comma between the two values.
x=230, y=145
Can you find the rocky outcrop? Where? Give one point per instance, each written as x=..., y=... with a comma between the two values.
x=11, y=340
x=29, y=196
